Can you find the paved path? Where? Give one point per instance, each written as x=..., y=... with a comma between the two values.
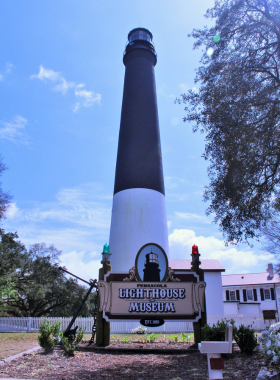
x=10, y=358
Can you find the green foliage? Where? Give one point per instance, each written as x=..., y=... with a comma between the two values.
x=5, y=198
x=152, y=337
x=49, y=335
x=184, y=336
x=246, y=339
x=126, y=339
x=32, y=285
x=238, y=108
x=175, y=338
x=56, y=332
x=69, y=346
x=146, y=338
x=13, y=255
x=216, y=332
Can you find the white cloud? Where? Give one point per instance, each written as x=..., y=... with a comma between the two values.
x=47, y=74
x=9, y=67
x=72, y=206
x=233, y=259
x=188, y=215
x=12, y=211
x=77, y=223
x=64, y=86
x=14, y=130
x=184, y=87
x=84, y=264
x=8, y=70
x=86, y=98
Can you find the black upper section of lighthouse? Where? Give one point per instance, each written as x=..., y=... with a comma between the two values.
x=139, y=161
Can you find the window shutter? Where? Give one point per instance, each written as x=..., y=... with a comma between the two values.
x=237, y=295
x=255, y=294
x=262, y=295
x=244, y=295
x=272, y=293
x=227, y=295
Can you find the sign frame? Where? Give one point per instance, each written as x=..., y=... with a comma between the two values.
x=171, y=274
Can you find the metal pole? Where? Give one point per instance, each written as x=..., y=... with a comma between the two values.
x=64, y=270
x=92, y=285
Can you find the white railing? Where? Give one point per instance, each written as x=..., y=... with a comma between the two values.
x=31, y=324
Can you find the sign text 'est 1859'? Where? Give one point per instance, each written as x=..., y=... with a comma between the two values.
x=152, y=322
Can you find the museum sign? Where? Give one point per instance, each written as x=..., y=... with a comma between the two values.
x=151, y=291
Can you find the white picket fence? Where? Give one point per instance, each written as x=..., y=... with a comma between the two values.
x=30, y=324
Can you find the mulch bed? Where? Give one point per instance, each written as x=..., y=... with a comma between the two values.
x=115, y=363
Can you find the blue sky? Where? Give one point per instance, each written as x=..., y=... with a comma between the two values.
x=61, y=80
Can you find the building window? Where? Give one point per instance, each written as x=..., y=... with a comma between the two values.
x=266, y=294
x=250, y=296
x=232, y=296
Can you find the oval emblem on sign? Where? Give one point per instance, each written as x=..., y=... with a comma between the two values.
x=153, y=322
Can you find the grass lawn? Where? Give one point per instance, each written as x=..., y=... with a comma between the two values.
x=14, y=343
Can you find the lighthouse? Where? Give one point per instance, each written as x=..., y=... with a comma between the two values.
x=139, y=211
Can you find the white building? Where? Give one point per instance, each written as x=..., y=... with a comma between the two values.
x=251, y=293
x=213, y=278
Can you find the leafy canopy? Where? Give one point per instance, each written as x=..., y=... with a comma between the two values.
x=32, y=285
x=238, y=109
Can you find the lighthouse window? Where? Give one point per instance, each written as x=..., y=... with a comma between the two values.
x=140, y=35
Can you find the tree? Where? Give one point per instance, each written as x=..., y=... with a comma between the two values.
x=238, y=108
x=37, y=287
x=5, y=198
x=13, y=255
x=271, y=233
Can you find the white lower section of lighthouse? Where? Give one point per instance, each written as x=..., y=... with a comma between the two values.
x=138, y=218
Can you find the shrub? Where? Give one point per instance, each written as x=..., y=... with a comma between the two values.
x=49, y=335
x=69, y=346
x=175, y=338
x=126, y=339
x=270, y=342
x=153, y=337
x=186, y=337
x=141, y=330
x=246, y=339
x=216, y=332
x=146, y=338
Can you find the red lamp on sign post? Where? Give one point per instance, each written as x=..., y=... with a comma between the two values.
x=195, y=258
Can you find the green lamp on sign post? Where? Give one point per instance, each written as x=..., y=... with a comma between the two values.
x=103, y=327
x=106, y=255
